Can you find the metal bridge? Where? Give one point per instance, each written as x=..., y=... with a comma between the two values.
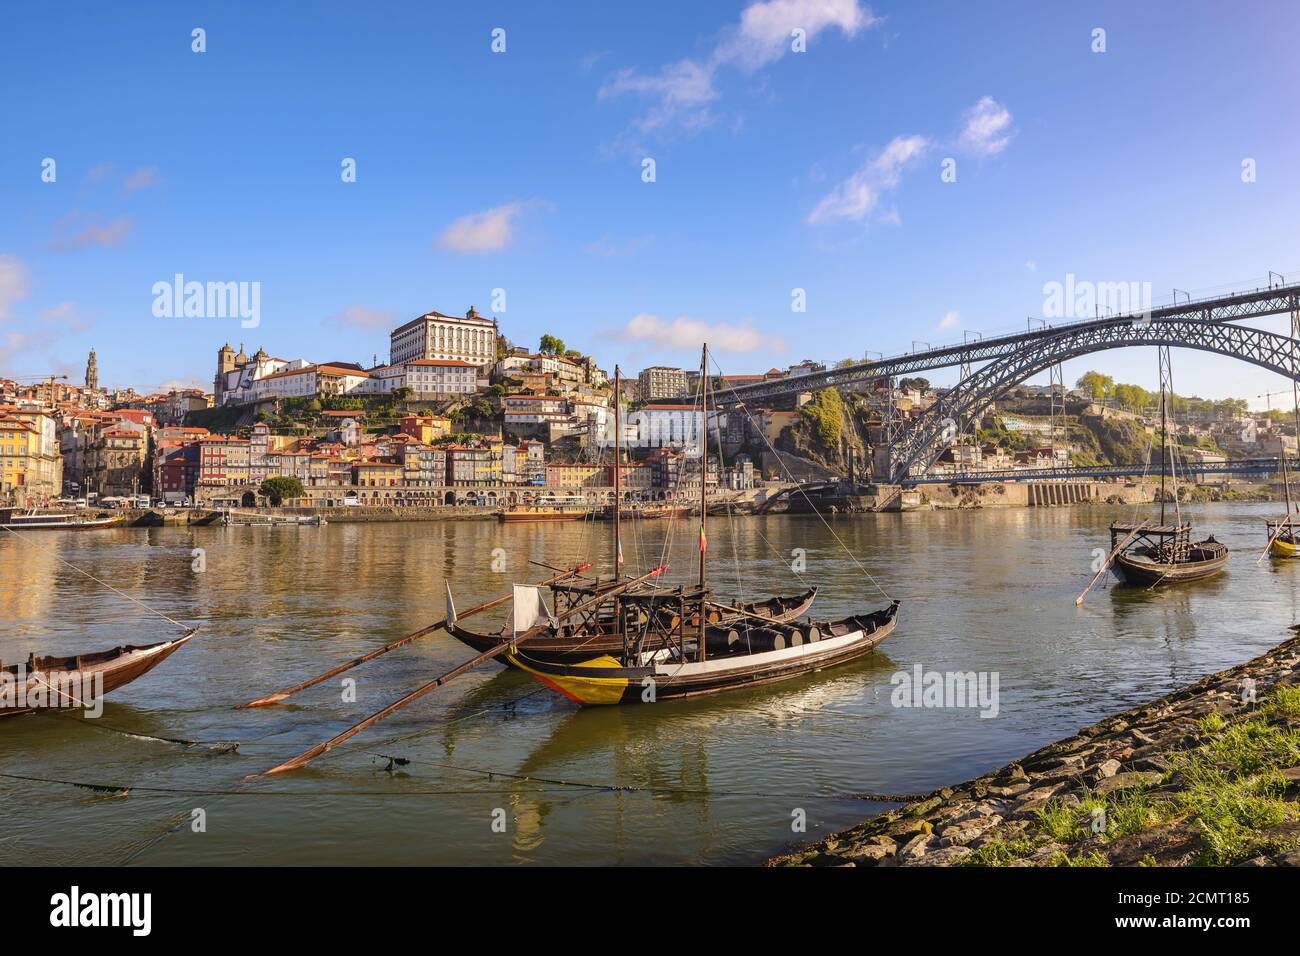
x=1205, y=324
x=1244, y=466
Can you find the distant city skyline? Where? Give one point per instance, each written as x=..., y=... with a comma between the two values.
x=908, y=173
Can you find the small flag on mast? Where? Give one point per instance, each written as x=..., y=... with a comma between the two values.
x=618, y=559
x=704, y=542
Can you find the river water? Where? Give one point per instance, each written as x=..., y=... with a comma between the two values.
x=499, y=770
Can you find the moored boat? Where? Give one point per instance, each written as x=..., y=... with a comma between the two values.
x=1165, y=554
x=1283, y=543
x=37, y=521
x=59, y=682
x=567, y=647
x=645, y=512
x=548, y=508
x=743, y=657
x=1152, y=555
x=633, y=644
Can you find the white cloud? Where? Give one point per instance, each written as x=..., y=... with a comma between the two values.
x=685, y=332
x=15, y=280
x=142, y=178
x=764, y=32
x=1031, y=265
x=856, y=197
x=491, y=230
x=680, y=93
x=91, y=234
x=986, y=128
x=951, y=320
x=362, y=317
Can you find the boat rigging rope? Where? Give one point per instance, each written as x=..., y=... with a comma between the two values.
x=816, y=511
x=133, y=600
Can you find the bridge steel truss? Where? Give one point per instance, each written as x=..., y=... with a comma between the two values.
x=917, y=447
x=1236, y=307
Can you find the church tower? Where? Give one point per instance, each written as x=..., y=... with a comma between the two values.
x=225, y=363
x=92, y=372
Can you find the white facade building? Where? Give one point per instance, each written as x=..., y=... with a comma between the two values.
x=471, y=339
x=427, y=378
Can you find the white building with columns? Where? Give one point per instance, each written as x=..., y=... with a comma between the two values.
x=470, y=338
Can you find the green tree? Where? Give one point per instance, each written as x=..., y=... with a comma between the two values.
x=1098, y=386
x=550, y=345
x=280, y=487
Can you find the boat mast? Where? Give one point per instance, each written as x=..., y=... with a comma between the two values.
x=1295, y=405
x=704, y=474
x=1162, y=359
x=618, y=467
x=704, y=462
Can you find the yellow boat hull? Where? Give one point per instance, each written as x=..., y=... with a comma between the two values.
x=1283, y=549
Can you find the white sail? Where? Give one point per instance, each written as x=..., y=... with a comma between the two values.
x=530, y=607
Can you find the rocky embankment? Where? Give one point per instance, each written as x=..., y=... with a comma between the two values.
x=1207, y=775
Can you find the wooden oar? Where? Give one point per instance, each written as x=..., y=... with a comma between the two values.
x=1106, y=564
x=437, y=626
x=307, y=756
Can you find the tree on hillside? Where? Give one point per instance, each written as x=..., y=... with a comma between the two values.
x=550, y=345
x=1098, y=386
x=280, y=487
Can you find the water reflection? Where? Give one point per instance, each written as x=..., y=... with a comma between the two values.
x=983, y=591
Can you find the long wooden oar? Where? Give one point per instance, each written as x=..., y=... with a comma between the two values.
x=437, y=626
x=1106, y=564
x=307, y=756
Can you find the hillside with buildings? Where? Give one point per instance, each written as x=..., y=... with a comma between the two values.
x=460, y=413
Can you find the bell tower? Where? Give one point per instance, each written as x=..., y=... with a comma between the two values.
x=92, y=372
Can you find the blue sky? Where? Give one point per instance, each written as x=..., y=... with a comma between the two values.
x=774, y=170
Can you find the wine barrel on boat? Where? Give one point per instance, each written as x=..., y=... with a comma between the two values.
x=812, y=634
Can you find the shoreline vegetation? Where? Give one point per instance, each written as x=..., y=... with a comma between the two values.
x=1208, y=775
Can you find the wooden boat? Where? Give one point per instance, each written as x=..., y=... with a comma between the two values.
x=1165, y=554
x=1282, y=543
x=62, y=682
x=550, y=508
x=639, y=645
x=1149, y=554
x=644, y=512
x=35, y=521
x=742, y=657
x=566, y=647
x=663, y=642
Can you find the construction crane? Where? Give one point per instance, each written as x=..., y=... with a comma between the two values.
x=1268, y=398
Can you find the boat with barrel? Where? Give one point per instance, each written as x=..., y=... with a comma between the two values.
x=1284, y=533
x=622, y=638
x=1156, y=554
x=43, y=683
x=650, y=643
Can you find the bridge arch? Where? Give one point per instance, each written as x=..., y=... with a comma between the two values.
x=925, y=439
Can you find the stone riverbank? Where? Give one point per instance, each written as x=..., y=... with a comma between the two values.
x=1208, y=775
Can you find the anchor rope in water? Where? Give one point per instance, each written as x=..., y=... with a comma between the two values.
x=551, y=786
x=123, y=789
x=100, y=581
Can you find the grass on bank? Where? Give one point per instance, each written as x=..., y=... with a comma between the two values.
x=1230, y=788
